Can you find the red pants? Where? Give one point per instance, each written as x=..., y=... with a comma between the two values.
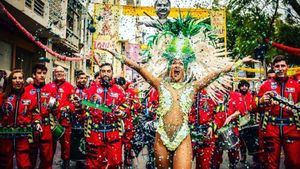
x=22, y=153
x=65, y=141
x=204, y=154
x=233, y=155
x=43, y=142
x=104, y=153
x=129, y=133
x=290, y=142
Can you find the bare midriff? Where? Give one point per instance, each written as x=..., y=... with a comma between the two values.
x=174, y=118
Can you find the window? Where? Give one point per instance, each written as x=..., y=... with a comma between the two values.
x=39, y=7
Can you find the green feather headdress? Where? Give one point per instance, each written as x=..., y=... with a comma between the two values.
x=180, y=30
x=192, y=41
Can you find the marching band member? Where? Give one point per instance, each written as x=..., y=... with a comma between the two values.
x=201, y=118
x=280, y=126
x=133, y=101
x=64, y=94
x=42, y=93
x=17, y=116
x=104, y=147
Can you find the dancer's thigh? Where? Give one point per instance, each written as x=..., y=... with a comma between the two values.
x=162, y=159
x=183, y=155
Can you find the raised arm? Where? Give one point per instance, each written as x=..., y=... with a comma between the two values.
x=142, y=71
x=202, y=83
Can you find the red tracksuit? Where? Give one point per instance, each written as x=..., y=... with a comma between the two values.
x=282, y=132
x=235, y=103
x=247, y=101
x=18, y=110
x=134, y=104
x=203, y=116
x=63, y=112
x=43, y=141
x=104, y=147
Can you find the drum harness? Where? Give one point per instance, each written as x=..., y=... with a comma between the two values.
x=102, y=127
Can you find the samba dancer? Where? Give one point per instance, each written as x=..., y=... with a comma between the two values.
x=178, y=72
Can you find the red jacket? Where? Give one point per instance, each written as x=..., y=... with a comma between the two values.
x=288, y=88
x=206, y=107
x=115, y=97
x=18, y=110
x=235, y=103
x=64, y=94
x=248, y=101
x=81, y=93
x=133, y=100
x=42, y=96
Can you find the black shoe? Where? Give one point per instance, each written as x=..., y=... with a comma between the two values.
x=66, y=164
x=80, y=165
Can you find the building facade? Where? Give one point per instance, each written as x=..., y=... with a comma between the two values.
x=60, y=25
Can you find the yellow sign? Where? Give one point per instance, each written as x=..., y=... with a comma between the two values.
x=106, y=22
x=174, y=12
x=218, y=21
x=218, y=17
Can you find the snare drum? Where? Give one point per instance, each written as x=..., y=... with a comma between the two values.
x=244, y=120
x=227, y=137
x=57, y=129
x=249, y=134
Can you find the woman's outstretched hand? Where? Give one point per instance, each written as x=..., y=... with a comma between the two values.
x=113, y=52
x=249, y=59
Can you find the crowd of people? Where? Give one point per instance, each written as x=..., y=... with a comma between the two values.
x=105, y=124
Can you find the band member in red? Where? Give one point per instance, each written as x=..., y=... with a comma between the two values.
x=64, y=94
x=104, y=146
x=280, y=127
x=18, y=117
x=133, y=101
x=230, y=113
x=201, y=118
x=78, y=139
x=42, y=93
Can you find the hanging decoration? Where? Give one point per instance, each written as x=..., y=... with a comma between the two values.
x=288, y=49
x=38, y=43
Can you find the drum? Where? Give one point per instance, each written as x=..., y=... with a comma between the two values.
x=57, y=129
x=78, y=150
x=227, y=138
x=243, y=120
x=249, y=134
x=199, y=134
